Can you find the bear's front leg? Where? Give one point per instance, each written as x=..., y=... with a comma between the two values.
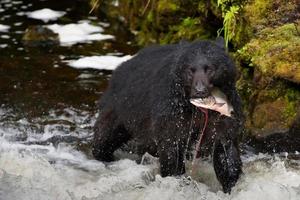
x=171, y=157
x=226, y=156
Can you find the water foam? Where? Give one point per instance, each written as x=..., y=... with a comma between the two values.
x=46, y=14
x=4, y=28
x=77, y=33
x=99, y=62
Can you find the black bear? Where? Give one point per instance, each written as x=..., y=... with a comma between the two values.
x=148, y=100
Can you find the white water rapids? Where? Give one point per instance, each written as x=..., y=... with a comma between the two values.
x=38, y=172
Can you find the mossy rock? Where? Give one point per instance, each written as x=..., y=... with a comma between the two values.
x=273, y=117
x=267, y=118
x=276, y=52
x=165, y=6
x=256, y=15
x=40, y=36
x=270, y=13
x=269, y=64
x=270, y=105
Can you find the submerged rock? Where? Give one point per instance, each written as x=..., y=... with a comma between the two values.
x=40, y=36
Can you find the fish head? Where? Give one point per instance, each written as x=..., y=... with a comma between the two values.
x=207, y=102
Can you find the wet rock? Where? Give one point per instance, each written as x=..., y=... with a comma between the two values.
x=270, y=66
x=271, y=104
x=267, y=118
x=295, y=128
x=288, y=141
x=40, y=36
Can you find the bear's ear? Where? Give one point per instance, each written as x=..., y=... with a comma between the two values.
x=220, y=42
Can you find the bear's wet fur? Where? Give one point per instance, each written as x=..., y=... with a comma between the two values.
x=148, y=100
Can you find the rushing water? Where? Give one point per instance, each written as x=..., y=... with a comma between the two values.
x=47, y=110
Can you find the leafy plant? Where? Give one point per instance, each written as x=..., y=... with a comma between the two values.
x=230, y=11
x=229, y=23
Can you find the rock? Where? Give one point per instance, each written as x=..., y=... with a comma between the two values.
x=277, y=142
x=295, y=128
x=270, y=65
x=260, y=14
x=40, y=36
x=267, y=118
x=276, y=52
x=271, y=103
x=256, y=15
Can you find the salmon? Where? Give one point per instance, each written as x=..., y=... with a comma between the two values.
x=217, y=102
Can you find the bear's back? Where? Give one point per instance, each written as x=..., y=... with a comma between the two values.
x=145, y=73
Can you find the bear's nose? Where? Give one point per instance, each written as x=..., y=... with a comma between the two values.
x=201, y=90
x=202, y=93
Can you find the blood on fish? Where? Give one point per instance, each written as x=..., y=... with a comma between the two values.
x=217, y=102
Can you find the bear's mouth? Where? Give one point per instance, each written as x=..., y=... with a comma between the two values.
x=217, y=102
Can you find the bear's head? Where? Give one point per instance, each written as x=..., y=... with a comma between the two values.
x=204, y=65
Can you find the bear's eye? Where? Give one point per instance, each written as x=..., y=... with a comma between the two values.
x=190, y=73
x=193, y=70
x=206, y=68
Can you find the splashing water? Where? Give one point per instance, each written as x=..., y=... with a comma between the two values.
x=63, y=172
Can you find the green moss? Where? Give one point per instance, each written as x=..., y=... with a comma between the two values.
x=189, y=28
x=292, y=98
x=245, y=87
x=256, y=15
x=257, y=12
x=265, y=13
x=273, y=115
x=167, y=6
x=270, y=104
x=290, y=111
x=275, y=52
x=190, y=23
x=167, y=21
x=231, y=14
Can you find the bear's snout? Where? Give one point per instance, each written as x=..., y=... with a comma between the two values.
x=201, y=86
x=200, y=92
x=201, y=89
